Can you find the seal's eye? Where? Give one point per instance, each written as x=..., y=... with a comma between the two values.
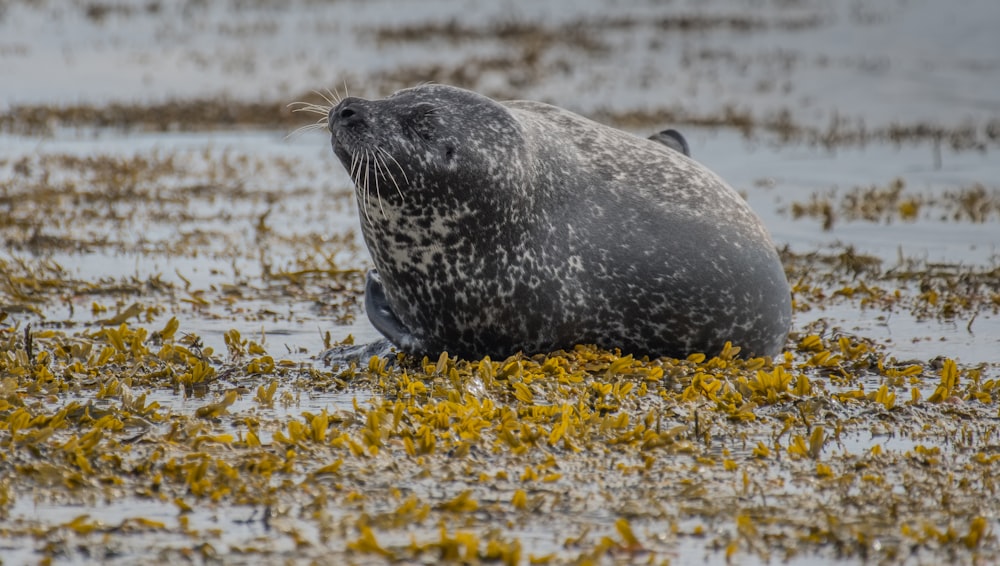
x=423, y=121
x=424, y=131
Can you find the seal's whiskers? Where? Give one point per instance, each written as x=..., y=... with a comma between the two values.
x=320, y=124
x=329, y=97
x=332, y=99
x=355, y=173
x=378, y=171
x=362, y=184
x=391, y=176
x=366, y=167
x=310, y=107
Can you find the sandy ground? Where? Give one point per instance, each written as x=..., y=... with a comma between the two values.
x=173, y=264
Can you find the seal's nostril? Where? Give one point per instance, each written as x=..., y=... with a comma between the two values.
x=350, y=112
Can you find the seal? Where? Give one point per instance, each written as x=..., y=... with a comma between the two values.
x=519, y=226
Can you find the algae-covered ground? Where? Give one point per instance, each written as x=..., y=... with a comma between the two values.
x=173, y=266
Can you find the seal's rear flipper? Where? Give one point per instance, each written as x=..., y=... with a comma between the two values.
x=383, y=319
x=672, y=139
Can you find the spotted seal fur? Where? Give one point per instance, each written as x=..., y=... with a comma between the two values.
x=498, y=227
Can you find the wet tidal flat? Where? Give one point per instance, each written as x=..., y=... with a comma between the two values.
x=173, y=264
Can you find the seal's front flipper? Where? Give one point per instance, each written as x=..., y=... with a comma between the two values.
x=383, y=319
x=343, y=355
x=672, y=139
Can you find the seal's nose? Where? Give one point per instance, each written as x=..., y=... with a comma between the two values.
x=350, y=111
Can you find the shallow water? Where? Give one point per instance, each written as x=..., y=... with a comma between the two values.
x=750, y=167
x=898, y=61
x=238, y=227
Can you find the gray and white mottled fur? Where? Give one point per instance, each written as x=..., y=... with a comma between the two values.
x=519, y=226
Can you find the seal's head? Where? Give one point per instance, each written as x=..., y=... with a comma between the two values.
x=420, y=139
x=442, y=181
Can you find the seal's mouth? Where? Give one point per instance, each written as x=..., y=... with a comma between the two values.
x=344, y=147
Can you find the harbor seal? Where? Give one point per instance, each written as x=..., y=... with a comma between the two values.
x=499, y=227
